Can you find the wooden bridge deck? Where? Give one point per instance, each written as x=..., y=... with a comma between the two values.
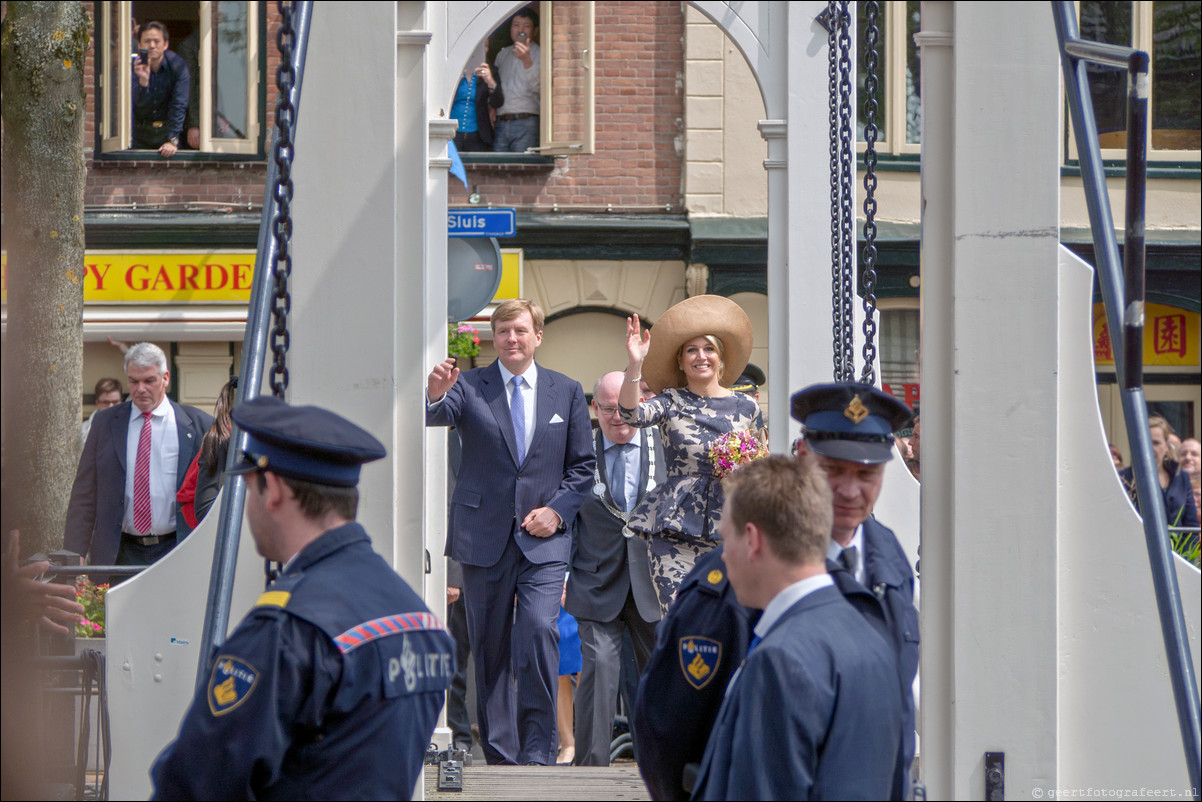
x=618, y=781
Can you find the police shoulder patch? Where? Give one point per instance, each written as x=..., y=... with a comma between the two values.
x=274, y=598
x=699, y=659
x=232, y=681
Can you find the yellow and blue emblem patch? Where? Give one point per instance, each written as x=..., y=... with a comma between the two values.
x=699, y=659
x=232, y=681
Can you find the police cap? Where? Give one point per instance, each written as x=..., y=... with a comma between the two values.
x=750, y=380
x=307, y=443
x=849, y=421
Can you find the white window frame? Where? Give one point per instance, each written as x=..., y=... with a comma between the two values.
x=250, y=143
x=891, y=118
x=117, y=135
x=586, y=145
x=1141, y=32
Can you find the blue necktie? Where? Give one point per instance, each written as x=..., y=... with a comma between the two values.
x=517, y=411
x=849, y=558
x=617, y=484
x=755, y=641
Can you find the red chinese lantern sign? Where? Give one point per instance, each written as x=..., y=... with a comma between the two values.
x=1170, y=336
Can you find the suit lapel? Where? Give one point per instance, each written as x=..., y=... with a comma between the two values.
x=497, y=397
x=876, y=568
x=119, y=429
x=544, y=405
x=189, y=442
x=602, y=468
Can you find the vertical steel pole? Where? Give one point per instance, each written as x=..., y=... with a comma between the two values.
x=1133, y=246
x=254, y=349
x=1135, y=409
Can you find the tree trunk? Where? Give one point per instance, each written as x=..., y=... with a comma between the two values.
x=42, y=55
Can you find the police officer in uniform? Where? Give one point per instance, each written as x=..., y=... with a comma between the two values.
x=331, y=685
x=698, y=645
x=849, y=429
x=676, y=708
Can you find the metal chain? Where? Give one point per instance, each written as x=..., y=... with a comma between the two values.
x=868, y=276
x=846, y=214
x=285, y=116
x=832, y=16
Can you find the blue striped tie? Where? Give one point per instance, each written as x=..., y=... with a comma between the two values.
x=517, y=411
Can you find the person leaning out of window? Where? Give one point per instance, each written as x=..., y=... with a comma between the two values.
x=161, y=85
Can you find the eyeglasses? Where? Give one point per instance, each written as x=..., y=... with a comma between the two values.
x=611, y=411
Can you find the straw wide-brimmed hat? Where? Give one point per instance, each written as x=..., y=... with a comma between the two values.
x=694, y=317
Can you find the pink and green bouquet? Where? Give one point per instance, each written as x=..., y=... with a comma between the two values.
x=733, y=449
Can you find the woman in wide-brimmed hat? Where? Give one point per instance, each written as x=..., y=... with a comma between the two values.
x=700, y=347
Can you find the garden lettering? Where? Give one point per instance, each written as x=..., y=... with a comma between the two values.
x=186, y=277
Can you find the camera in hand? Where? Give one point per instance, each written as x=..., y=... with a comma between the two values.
x=143, y=55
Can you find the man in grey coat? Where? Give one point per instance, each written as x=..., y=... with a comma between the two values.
x=609, y=584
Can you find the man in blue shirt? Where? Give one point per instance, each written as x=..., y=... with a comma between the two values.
x=161, y=85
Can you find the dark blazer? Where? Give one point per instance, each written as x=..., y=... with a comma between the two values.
x=1178, y=496
x=98, y=496
x=806, y=717
x=891, y=579
x=679, y=694
x=492, y=489
x=605, y=564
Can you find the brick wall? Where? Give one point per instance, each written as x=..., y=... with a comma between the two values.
x=174, y=183
x=639, y=124
x=637, y=165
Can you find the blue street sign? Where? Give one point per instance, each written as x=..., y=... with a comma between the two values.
x=481, y=222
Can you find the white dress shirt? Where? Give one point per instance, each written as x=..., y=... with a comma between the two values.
x=780, y=604
x=164, y=461
x=788, y=597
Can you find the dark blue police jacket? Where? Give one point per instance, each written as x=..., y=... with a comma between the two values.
x=805, y=717
x=889, y=577
x=328, y=689
x=698, y=646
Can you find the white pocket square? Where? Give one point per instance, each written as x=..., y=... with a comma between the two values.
x=556, y=419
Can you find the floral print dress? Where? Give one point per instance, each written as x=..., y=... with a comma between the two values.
x=680, y=516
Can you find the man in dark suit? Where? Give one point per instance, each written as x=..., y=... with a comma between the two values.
x=609, y=586
x=527, y=467
x=849, y=429
x=122, y=509
x=814, y=712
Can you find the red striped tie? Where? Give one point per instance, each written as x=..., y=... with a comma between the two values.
x=142, y=516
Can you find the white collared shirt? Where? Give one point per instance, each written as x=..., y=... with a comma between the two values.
x=780, y=604
x=164, y=462
x=788, y=597
x=529, y=394
x=834, y=550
